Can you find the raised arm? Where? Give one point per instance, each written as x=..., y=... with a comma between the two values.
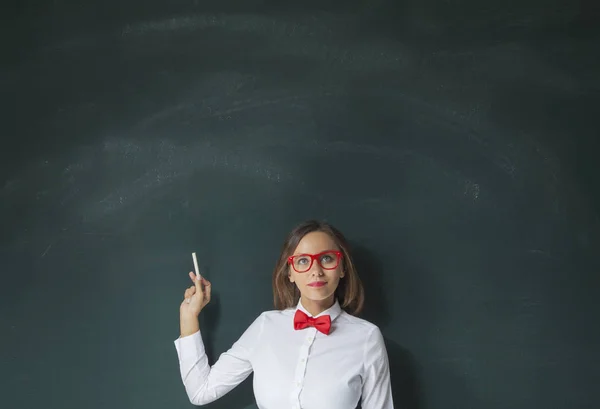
x=377, y=389
x=203, y=383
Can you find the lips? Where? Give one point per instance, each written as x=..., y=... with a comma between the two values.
x=317, y=284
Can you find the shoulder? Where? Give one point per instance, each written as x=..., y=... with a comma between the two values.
x=369, y=332
x=357, y=322
x=265, y=321
x=270, y=322
x=273, y=316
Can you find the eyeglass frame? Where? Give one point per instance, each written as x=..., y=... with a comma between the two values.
x=314, y=257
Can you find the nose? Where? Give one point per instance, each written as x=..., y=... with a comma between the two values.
x=316, y=269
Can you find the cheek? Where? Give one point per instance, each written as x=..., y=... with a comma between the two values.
x=300, y=278
x=295, y=277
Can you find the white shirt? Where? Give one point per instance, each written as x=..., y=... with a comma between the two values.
x=294, y=369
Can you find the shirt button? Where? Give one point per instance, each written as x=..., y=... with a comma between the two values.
x=303, y=360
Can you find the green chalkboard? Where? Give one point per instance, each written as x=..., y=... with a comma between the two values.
x=454, y=144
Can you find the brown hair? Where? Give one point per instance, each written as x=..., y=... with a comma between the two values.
x=349, y=293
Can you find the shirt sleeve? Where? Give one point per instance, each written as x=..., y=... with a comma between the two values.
x=203, y=383
x=377, y=389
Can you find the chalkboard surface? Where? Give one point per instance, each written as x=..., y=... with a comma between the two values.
x=454, y=144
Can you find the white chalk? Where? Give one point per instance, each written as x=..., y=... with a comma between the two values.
x=196, y=265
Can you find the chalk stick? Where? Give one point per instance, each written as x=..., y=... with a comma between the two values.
x=196, y=265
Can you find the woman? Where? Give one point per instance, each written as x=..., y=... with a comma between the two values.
x=312, y=351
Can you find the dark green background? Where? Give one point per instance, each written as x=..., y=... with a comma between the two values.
x=454, y=143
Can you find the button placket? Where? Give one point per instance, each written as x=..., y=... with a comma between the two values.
x=301, y=366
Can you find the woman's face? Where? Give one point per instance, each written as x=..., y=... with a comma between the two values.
x=320, y=280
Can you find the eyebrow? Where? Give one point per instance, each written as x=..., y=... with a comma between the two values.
x=318, y=252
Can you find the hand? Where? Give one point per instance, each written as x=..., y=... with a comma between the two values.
x=195, y=297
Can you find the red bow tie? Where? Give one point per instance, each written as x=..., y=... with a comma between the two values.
x=322, y=323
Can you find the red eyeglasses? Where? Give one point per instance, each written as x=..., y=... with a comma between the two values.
x=328, y=260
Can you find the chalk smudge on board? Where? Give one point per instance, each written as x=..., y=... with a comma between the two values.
x=9, y=187
x=46, y=251
x=162, y=162
x=471, y=189
x=507, y=165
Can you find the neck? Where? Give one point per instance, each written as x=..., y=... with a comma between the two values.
x=317, y=307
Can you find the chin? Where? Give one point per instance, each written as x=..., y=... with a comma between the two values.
x=318, y=295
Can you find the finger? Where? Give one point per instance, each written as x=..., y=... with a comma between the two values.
x=198, y=284
x=207, y=290
x=192, y=276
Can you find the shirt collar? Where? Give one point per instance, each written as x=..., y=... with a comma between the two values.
x=334, y=311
